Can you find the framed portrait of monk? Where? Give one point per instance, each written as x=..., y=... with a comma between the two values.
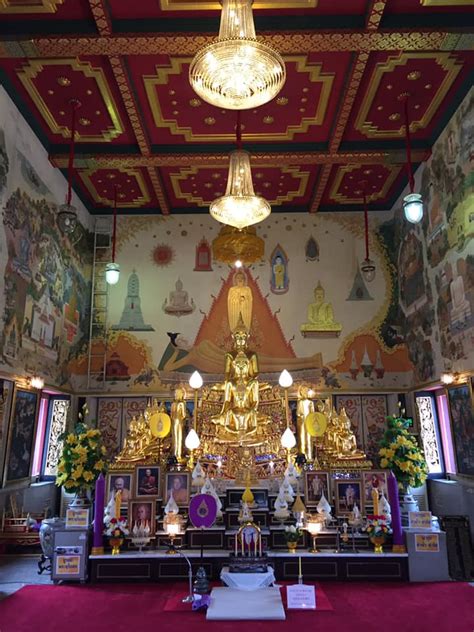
x=348, y=493
x=21, y=435
x=315, y=485
x=177, y=483
x=120, y=481
x=147, y=481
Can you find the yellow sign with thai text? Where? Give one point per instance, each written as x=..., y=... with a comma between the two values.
x=68, y=564
x=77, y=518
x=426, y=543
x=420, y=520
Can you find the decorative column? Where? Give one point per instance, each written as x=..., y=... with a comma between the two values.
x=398, y=539
x=97, y=542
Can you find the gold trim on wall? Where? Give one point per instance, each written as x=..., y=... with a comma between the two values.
x=176, y=68
x=36, y=6
x=34, y=68
x=445, y=60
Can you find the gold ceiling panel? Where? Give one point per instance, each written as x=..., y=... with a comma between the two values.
x=206, y=5
x=32, y=6
x=447, y=3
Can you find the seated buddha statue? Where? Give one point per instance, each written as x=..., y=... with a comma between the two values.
x=239, y=418
x=178, y=304
x=346, y=442
x=320, y=314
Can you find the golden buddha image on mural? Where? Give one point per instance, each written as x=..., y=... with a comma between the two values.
x=320, y=316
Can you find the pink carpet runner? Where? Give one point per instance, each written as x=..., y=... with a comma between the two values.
x=356, y=607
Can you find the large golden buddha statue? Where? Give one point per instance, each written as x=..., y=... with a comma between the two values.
x=346, y=442
x=239, y=419
x=320, y=316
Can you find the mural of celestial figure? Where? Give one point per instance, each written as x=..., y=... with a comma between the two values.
x=178, y=423
x=203, y=257
x=279, y=280
x=312, y=250
x=178, y=304
x=132, y=317
x=320, y=315
x=239, y=302
x=304, y=407
x=460, y=306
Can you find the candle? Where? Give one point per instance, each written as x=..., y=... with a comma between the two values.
x=242, y=542
x=118, y=503
x=392, y=487
x=300, y=574
x=375, y=500
x=236, y=539
x=97, y=544
x=260, y=544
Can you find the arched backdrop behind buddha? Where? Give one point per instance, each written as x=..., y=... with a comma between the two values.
x=214, y=334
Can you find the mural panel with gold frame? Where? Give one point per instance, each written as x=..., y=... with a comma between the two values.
x=461, y=412
x=21, y=435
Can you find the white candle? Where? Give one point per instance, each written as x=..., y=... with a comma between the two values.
x=236, y=538
x=260, y=545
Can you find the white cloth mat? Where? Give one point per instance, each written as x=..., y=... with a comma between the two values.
x=230, y=604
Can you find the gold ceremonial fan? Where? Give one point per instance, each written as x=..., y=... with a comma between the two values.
x=160, y=424
x=316, y=424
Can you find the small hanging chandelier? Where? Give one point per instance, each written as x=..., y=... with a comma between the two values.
x=236, y=71
x=368, y=266
x=66, y=218
x=112, y=269
x=239, y=207
x=413, y=202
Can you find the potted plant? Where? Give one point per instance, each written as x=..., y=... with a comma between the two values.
x=82, y=461
x=378, y=528
x=116, y=529
x=292, y=535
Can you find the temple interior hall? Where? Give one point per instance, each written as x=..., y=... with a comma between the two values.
x=237, y=314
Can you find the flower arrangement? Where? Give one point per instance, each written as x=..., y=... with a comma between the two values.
x=400, y=453
x=116, y=528
x=377, y=526
x=82, y=459
x=292, y=533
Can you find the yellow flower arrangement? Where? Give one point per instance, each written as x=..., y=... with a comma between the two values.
x=82, y=459
x=400, y=453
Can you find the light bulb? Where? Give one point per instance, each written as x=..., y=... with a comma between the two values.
x=368, y=270
x=195, y=381
x=238, y=263
x=288, y=439
x=37, y=382
x=67, y=218
x=192, y=441
x=112, y=273
x=285, y=380
x=413, y=207
x=447, y=378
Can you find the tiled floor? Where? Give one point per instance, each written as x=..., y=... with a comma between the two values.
x=18, y=571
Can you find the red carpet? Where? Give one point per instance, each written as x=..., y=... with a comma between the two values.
x=357, y=607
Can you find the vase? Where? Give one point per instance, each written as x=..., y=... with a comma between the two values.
x=408, y=503
x=80, y=500
x=378, y=541
x=115, y=543
x=292, y=547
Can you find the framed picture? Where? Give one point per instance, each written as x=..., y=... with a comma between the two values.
x=141, y=513
x=234, y=496
x=315, y=483
x=374, y=479
x=21, y=435
x=462, y=425
x=146, y=483
x=348, y=492
x=178, y=483
x=120, y=481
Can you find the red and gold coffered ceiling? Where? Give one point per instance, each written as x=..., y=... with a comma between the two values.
x=337, y=122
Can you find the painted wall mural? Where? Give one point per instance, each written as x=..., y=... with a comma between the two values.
x=45, y=277
x=432, y=309
x=189, y=315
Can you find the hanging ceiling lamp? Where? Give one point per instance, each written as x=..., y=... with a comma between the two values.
x=239, y=207
x=413, y=202
x=67, y=214
x=368, y=266
x=232, y=245
x=112, y=270
x=236, y=71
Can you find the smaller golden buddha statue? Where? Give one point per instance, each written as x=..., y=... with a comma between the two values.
x=304, y=407
x=178, y=423
x=346, y=442
x=137, y=441
x=320, y=316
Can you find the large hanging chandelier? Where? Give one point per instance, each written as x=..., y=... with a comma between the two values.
x=236, y=71
x=239, y=207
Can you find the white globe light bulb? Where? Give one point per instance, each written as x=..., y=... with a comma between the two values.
x=112, y=273
x=285, y=380
x=192, y=441
x=195, y=381
x=413, y=207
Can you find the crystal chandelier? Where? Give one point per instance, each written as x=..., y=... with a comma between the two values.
x=236, y=71
x=239, y=207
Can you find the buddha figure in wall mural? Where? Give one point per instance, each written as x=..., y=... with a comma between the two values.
x=320, y=316
x=178, y=304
